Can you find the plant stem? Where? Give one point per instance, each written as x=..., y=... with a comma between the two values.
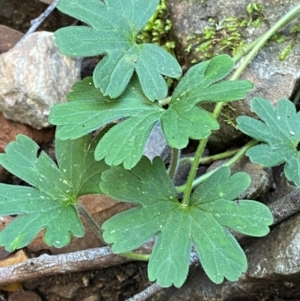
x=92, y=224
x=165, y=101
x=174, y=162
x=230, y=162
x=192, y=173
x=209, y=159
x=256, y=46
x=136, y=256
x=259, y=43
x=245, y=50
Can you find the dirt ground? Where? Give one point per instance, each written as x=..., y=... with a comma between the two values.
x=112, y=284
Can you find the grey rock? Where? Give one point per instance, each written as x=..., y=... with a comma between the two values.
x=34, y=76
x=156, y=144
x=273, y=79
x=278, y=255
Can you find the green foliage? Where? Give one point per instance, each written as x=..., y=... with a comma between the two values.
x=203, y=222
x=289, y=39
x=224, y=35
x=50, y=202
x=183, y=119
x=111, y=31
x=280, y=132
x=120, y=105
x=157, y=29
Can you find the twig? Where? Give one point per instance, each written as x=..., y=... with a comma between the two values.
x=35, y=23
x=286, y=206
x=145, y=294
x=46, y=265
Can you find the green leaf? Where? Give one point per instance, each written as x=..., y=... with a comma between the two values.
x=124, y=143
x=111, y=31
x=200, y=83
x=279, y=129
x=50, y=203
x=183, y=121
x=85, y=89
x=76, y=159
x=203, y=222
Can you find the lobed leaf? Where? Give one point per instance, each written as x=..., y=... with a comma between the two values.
x=111, y=31
x=76, y=159
x=36, y=211
x=182, y=120
x=279, y=130
x=203, y=222
x=200, y=83
x=125, y=142
x=50, y=203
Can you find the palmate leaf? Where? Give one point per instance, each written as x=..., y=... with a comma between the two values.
x=280, y=132
x=202, y=83
x=125, y=142
x=203, y=222
x=112, y=28
x=50, y=202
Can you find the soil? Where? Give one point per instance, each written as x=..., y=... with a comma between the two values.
x=112, y=284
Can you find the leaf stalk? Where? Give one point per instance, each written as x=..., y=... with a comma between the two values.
x=193, y=171
x=229, y=163
x=174, y=162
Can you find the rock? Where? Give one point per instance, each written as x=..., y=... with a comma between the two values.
x=34, y=76
x=9, y=37
x=277, y=256
x=273, y=79
x=9, y=131
x=156, y=144
x=24, y=296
